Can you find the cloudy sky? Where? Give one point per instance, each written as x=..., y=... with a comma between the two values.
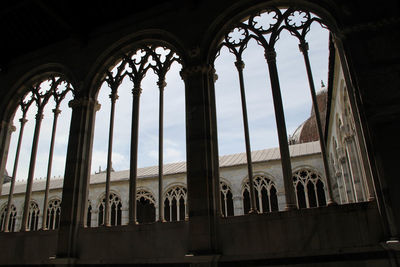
x=263, y=133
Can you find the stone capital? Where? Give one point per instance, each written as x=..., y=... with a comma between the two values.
x=270, y=55
x=303, y=47
x=82, y=102
x=197, y=69
x=56, y=111
x=136, y=91
x=39, y=115
x=113, y=96
x=161, y=84
x=239, y=64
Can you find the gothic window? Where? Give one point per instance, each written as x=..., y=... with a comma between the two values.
x=310, y=189
x=115, y=210
x=146, y=210
x=256, y=91
x=53, y=214
x=175, y=204
x=33, y=216
x=11, y=221
x=266, y=195
x=89, y=215
x=142, y=81
x=226, y=200
x=41, y=120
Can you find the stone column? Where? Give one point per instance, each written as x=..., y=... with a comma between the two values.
x=374, y=122
x=355, y=168
x=202, y=182
x=125, y=214
x=238, y=205
x=346, y=176
x=95, y=217
x=77, y=175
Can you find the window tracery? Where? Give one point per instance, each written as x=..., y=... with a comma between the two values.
x=53, y=214
x=146, y=211
x=175, y=208
x=226, y=200
x=310, y=189
x=115, y=210
x=264, y=28
x=33, y=216
x=266, y=194
x=134, y=66
x=36, y=102
x=11, y=221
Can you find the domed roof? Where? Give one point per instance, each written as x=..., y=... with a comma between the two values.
x=6, y=177
x=307, y=131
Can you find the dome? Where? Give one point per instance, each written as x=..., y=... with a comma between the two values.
x=307, y=131
x=6, y=177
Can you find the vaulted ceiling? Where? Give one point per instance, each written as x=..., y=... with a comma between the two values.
x=27, y=25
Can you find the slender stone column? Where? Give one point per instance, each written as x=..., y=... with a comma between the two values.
x=31, y=173
x=113, y=97
x=270, y=56
x=23, y=121
x=240, y=66
x=161, y=85
x=56, y=112
x=136, y=91
x=304, y=49
x=214, y=140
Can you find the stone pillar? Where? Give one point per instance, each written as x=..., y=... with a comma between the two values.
x=282, y=201
x=6, y=129
x=238, y=205
x=77, y=175
x=125, y=214
x=95, y=217
x=157, y=212
x=346, y=176
x=365, y=52
x=201, y=153
x=354, y=162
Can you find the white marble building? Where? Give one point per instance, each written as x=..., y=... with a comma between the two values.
x=233, y=173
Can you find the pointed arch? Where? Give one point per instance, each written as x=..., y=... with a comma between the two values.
x=310, y=188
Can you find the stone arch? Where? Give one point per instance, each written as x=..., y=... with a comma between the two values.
x=145, y=205
x=240, y=11
x=175, y=202
x=53, y=213
x=38, y=74
x=12, y=220
x=150, y=195
x=115, y=208
x=33, y=215
x=226, y=195
x=310, y=187
x=114, y=53
x=266, y=193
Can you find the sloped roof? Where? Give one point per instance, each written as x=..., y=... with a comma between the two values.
x=176, y=168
